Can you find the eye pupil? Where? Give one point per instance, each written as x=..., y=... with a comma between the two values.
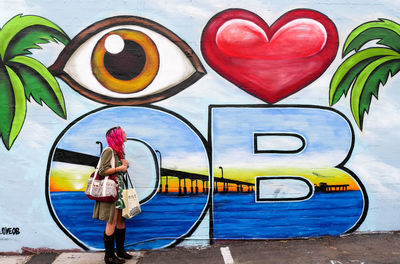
x=126, y=64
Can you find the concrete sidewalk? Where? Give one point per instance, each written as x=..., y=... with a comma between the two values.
x=380, y=248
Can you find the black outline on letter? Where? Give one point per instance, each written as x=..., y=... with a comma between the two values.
x=257, y=191
x=294, y=151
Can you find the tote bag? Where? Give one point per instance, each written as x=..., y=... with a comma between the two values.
x=103, y=189
x=131, y=200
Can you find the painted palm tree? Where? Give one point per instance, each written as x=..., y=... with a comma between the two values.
x=22, y=77
x=368, y=68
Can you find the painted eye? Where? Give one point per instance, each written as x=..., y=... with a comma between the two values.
x=127, y=61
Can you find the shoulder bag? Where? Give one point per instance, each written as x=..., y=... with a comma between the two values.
x=103, y=189
x=130, y=198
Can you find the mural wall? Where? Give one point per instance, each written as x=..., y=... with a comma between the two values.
x=243, y=121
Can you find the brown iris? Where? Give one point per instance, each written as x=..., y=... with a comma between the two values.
x=130, y=69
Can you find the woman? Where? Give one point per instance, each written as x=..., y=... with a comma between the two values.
x=111, y=212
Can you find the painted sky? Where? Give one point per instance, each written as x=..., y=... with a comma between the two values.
x=327, y=135
x=176, y=141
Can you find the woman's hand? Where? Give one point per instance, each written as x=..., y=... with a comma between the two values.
x=122, y=168
x=125, y=163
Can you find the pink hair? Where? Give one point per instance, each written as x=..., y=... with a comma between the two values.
x=115, y=140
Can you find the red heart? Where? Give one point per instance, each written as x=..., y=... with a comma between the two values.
x=270, y=62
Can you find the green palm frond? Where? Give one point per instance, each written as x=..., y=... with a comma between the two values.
x=39, y=83
x=366, y=70
x=368, y=82
x=7, y=105
x=350, y=68
x=19, y=105
x=386, y=30
x=22, y=33
x=23, y=77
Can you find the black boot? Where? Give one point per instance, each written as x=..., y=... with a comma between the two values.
x=120, y=240
x=110, y=257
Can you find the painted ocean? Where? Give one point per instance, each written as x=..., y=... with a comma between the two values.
x=235, y=215
x=145, y=231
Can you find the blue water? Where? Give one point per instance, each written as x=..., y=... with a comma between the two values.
x=236, y=216
x=163, y=219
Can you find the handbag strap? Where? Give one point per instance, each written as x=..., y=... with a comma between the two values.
x=98, y=166
x=112, y=161
x=126, y=178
